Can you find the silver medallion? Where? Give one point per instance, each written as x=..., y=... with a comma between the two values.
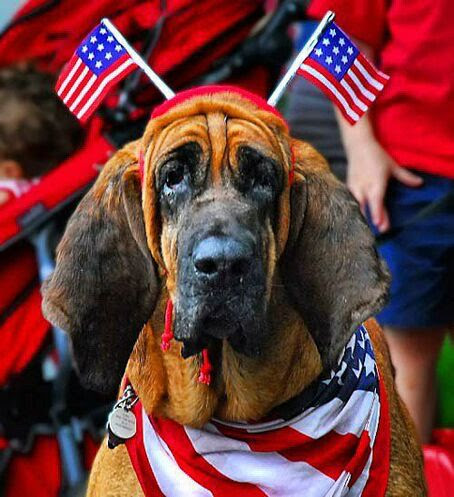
x=122, y=423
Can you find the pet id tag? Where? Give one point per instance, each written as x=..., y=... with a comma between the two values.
x=122, y=423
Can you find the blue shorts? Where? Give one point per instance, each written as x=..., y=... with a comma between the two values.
x=420, y=257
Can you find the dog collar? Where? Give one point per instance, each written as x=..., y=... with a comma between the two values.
x=339, y=444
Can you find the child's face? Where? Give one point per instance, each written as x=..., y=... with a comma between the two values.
x=10, y=169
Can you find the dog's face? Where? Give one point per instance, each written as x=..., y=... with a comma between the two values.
x=217, y=197
x=214, y=212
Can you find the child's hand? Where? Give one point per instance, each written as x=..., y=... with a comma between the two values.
x=369, y=170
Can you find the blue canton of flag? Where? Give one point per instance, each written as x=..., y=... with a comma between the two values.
x=100, y=50
x=98, y=63
x=343, y=73
x=335, y=52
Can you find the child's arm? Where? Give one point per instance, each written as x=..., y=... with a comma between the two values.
x=369, y=165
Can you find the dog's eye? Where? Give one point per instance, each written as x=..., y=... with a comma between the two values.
x=255, y=171
x=175, y=176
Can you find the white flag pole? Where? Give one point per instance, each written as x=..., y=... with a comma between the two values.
x=155, y=79
x=303, y=54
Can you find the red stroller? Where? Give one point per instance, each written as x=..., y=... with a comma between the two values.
x=49, y=426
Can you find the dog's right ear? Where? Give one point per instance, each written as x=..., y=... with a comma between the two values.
x=331, y=268
x=104, y=287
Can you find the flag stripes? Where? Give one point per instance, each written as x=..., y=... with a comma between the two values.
x=336, y=447
x=103, y=86
x=332, y=91
x=353, y=94
x=343, y=73
x=79, y=80
x=139, y=459
x=97, y=64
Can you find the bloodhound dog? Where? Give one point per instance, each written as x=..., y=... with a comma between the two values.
x=269, y=268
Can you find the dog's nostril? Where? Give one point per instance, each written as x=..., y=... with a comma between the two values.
x=206, y=265
x=239, y=267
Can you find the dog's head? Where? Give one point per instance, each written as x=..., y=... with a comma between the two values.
x=214, y=200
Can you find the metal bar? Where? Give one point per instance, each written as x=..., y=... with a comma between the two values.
x=155, y=79
x=303, y=54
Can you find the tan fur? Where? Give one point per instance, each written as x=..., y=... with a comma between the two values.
x=406, y=466
x=113, y=475
x=243, y=389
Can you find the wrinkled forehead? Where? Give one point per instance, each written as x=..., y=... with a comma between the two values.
x=216, y=119
x=216, y=133
x=220, y=119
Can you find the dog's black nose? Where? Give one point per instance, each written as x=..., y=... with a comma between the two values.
x=225, y=257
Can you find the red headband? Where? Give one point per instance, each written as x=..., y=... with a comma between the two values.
x=211, y=90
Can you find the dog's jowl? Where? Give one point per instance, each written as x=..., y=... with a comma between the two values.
x=220, y=273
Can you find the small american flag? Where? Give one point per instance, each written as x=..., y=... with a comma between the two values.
x=99, y=62
x=343, y=73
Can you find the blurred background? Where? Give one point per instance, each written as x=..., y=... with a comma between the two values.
x=50, y=427
x=7, y=9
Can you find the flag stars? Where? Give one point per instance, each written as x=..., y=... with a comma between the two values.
x=329, y=60
x=84, y=49
x=103, y=31
x=341, y=42
x=326, y=42
x=118, y=48
x=337, y=68
x=110, y=39
x=91, y=56
x=344, y=59
x=93, y=39
x=369, y=365
x=335, y=50
x=98, y=64
x=350, y=50
x=318, y=52
x=108, y=55
x=332, y=32
x=100, y=47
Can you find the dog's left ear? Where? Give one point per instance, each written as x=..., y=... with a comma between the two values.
x=332, y=271
x=104, y=287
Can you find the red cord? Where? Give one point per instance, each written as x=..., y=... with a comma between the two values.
x=167, y=336
x=205, y=370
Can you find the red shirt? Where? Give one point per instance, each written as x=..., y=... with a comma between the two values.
x=414, y=41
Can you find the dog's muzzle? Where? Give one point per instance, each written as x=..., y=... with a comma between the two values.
x=221, y=293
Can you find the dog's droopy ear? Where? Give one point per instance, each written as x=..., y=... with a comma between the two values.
x=332, y=271
x=104, y=286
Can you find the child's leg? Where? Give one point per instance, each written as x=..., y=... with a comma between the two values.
x=414, y=354
x=421, y=307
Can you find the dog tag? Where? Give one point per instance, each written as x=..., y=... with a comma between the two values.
x=122, y=423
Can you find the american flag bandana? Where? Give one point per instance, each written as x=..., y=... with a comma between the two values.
x=332, y=441
x=99, y=63
x=343, y=73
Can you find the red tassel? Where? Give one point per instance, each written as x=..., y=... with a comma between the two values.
x=167, y=336
x=206, y=368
